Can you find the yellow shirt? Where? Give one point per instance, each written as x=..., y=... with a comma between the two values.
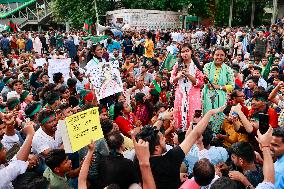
x=128, y=67
x=21, y=43
x=233, y=136
x=149, y=48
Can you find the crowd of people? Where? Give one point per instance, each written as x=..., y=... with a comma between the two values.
x=214, y=119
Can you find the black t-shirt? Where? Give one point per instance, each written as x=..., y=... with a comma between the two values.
x=116, y=170
x=166, y=168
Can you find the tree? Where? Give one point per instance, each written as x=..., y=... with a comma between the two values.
x=76, y=12
x=200, y=8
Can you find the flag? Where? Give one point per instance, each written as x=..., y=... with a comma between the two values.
x=266, y=70
x=11, y=27
x=157, y=86
x=169, y=62
x=95, y=39
x=89, y=26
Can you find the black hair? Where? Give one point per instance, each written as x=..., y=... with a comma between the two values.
x=159, y=105
x=275, y=69
x=221, y=49
x=139, y=97
x=243, y=150
x=30, y=180
x=51, y=97
x=73, y=101
x=49, y=87
x=235, y=92
x=71, y=82
x=257, y=68
x=260, y=94
x=57, y=77
x=107, y=126
x=187, y=45
x=279, y=132
x=16, y=81
x=253, y=78
x=181, y=135
x=62, y=89
x=203, y=172
x=115, y=140
x=236, y=67
x=149, y=134
x=118, y=107
x=45, y=113
x=207, y=137
x=30, y=108
x=224, y=183
x=54, y=158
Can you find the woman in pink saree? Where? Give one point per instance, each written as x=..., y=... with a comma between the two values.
x=188, y=80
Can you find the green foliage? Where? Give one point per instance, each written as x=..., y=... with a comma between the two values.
x=200, y=8
x=173, y=5
x=76, y=11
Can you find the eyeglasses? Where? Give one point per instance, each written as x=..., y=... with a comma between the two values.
x=219, y=55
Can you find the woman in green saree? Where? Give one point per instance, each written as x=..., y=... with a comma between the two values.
x=214, y=93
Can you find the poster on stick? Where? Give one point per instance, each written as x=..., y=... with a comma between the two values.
x=79, y=129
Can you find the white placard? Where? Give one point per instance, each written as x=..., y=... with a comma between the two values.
x=59, y=65
x=39, y=62
x=105, y=78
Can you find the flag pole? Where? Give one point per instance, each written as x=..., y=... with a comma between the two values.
x=97, y=15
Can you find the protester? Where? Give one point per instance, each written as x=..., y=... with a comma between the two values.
x=177, y=108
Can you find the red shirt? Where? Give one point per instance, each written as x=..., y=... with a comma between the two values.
x=273, y=117
x=124, y=125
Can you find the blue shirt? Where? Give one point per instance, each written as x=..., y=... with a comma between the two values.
x=114, y=45
x=5, y=43
x=279, y=172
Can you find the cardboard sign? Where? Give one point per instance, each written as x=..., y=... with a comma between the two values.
x=79, y=129
x=59, y=65
x=105, y=78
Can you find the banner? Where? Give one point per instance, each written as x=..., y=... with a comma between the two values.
x=79, y=129
x=59, y=65
x=105, y=78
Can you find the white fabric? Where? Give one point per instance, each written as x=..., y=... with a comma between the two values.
x=9, y=141
x=42, y=141
x=265, y=185
x=10, y=172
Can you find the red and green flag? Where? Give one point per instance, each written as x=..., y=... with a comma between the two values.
x=11, y=26
x=89, y=26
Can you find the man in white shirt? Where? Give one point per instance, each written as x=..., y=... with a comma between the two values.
x=47, y=136
x=19, y=163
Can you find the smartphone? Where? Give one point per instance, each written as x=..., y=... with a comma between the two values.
x=263, y=122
